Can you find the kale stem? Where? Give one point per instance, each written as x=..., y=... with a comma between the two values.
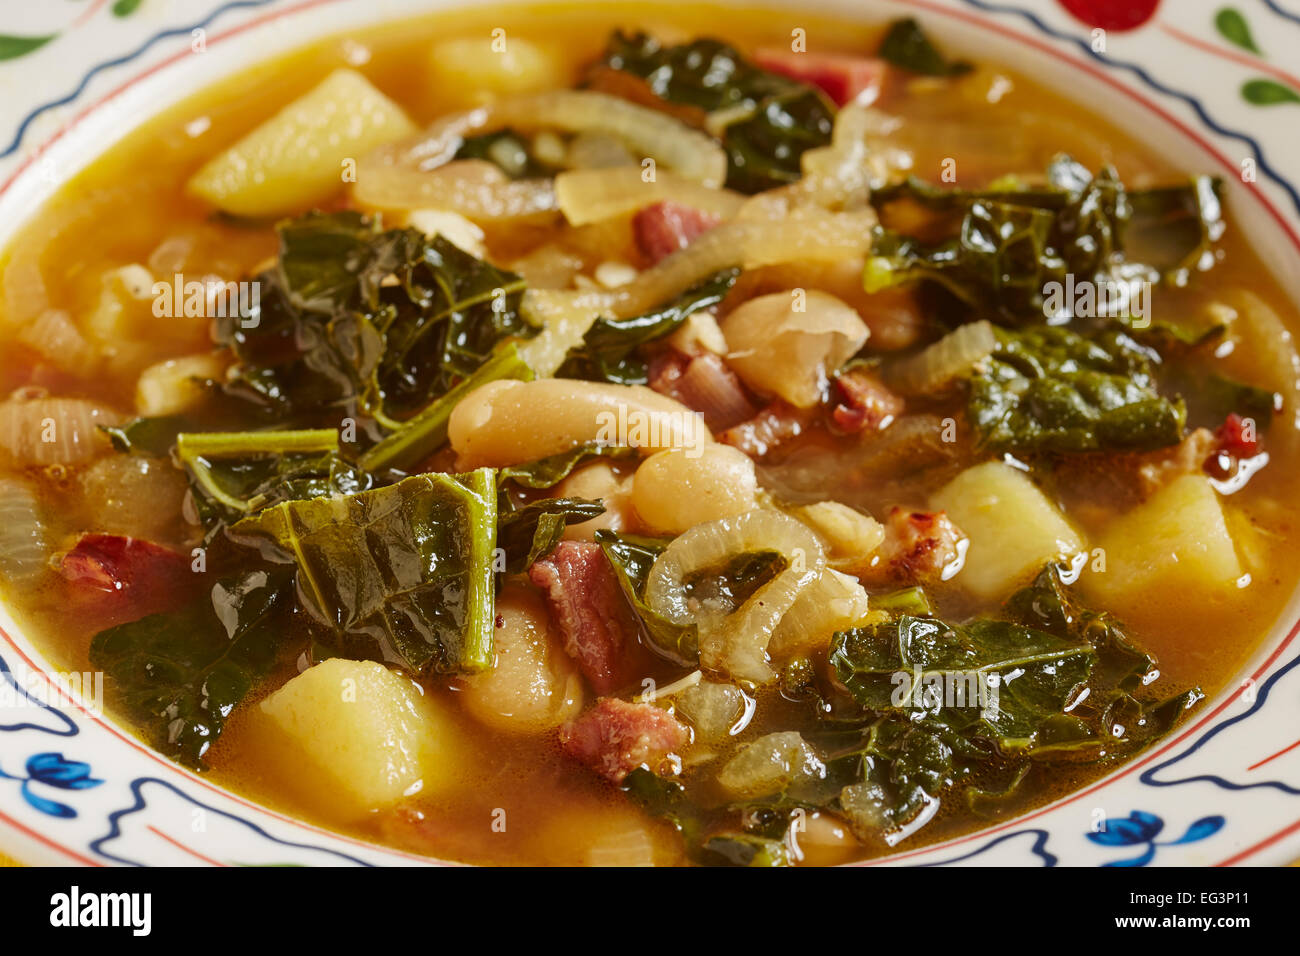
x=422, y=435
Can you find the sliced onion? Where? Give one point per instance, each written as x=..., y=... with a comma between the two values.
x=474, y=188
x=771, y=764
x=778, y=349
x=591, y=195
x=54, y=336
x=735, y=642
x=52, y=431
x=715, y=711
x=646, y=132
x=566, y=315
x=945, y=361
x=24, y=544
x=831, y=603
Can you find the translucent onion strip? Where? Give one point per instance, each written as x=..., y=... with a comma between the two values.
x=566, y=315
x=831, y=603
x=24, y=545
x=474, y=188
x=646, y=132
x=945, y=361
x=736, y=642
x=592, y=195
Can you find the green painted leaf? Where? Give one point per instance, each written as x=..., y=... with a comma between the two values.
x=124, y=8
x=1268, y=93
x=1233, y=27
x=12, y=47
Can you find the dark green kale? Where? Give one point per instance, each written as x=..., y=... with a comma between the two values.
x=1049, y=389
x=1008, y=249
x=907, y=46
x=528, y=533
x=508, y=151
x=766, y=121
x=608, y=352
x=367, y=321
x=180, y=674
x=235, y=474
x=402, y=573
x=550, y=471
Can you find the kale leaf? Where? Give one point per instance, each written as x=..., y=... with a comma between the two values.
x=508, y=151
x=906, y=45
x=1009, y=246
x=530, y=532
x=235, y=474
x=1049, y=389
x=632, y=557
x=766, y=120
x=180, y=674
x=550, y=471
x=401, y=573
x=362, y=319
x=608, y=352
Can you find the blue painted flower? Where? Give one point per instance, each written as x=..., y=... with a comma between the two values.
x=1142, y=828
x=53, y=770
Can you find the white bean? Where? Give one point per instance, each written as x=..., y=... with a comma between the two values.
x=510, y=422
x=677, y=489
x=533, y=686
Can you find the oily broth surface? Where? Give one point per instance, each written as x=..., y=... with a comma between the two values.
x=125, y=204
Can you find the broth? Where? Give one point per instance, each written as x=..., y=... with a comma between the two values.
x=132, y=198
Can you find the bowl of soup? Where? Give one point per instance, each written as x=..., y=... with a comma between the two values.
x=649, y=434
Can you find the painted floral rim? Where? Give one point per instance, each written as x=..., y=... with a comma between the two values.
x=98, y=796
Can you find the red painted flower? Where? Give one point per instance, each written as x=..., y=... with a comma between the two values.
x=1118, y=15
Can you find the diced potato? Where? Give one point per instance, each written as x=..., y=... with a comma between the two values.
x=349, y=737
x=1177, y=543
x=1012, y=527
x=471, y=71
x=295, y=158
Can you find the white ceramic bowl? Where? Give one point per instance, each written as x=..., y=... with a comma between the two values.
x=1223, y=789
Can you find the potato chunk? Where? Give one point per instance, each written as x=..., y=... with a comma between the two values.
x=295, y=158
x=1177, y=543
x=349, y=737
x=1012, y=526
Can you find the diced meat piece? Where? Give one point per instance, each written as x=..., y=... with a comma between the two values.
x=614, y=737
x=918, y=546
x=662, y=229
x=112, y=572
x=842, y=77
x=865, y=402
x=773, y=426
x=587, y=604
x=704, y=384
x=1158, y=468
x=1238, y=437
